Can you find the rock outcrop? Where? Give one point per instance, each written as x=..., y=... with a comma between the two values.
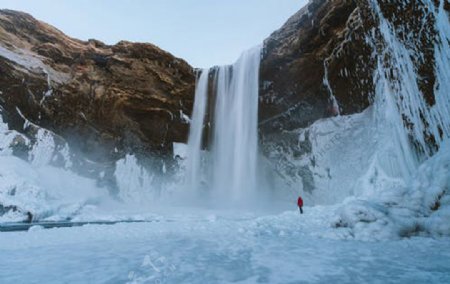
x=317, y=65
x=322, y=61
x=104, y=100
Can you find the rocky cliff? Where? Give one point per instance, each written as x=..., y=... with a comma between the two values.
x=322, y=62
x=104, y=100
x=110, y=100
x=317, y=65
x=336, y=57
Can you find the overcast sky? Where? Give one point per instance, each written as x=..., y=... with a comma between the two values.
x=203, y=32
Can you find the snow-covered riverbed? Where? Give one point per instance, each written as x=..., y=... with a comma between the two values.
x=201, y=247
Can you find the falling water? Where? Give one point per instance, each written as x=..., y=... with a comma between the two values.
x=193, y=175
x=232, y=167
x=235, y=143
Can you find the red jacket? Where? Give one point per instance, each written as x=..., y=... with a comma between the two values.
x=300, y=202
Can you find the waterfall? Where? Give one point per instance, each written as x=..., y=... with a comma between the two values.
x=231, y=171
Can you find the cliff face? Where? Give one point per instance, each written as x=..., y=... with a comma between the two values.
x=328, y=59
x=322, y=61
x=319, y=57
x=103, y=100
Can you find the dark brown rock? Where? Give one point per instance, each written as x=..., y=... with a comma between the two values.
x=129, y=96
x=323, y=36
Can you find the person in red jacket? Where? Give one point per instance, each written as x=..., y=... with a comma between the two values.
x=300, y=204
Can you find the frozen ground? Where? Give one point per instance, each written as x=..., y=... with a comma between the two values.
x=200, y=247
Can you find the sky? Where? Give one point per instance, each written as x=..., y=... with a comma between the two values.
x=203, y=32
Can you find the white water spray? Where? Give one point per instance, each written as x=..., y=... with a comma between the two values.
x=232, y=171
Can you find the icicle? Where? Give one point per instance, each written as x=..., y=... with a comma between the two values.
x=334, y=103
